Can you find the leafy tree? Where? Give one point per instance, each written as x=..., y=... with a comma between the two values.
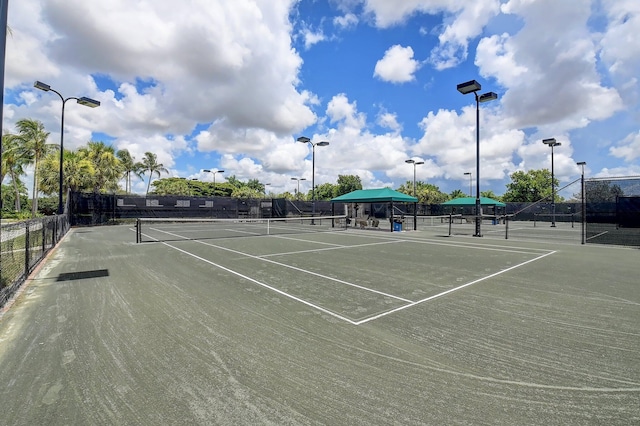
x=235, y=182
x=106, y=166
x=13, y=165
x=77, y=173
x=529, y=187
x=490, y=194
x=172, y=186
x=9, y=197
x=324, y=191
x=128, y=167
x=255, y=185
x=246, y=192
x=457, y=193
x=425, y=192
x=347, y=184
x=150, y=164
x=601, y=191
x=33, y=147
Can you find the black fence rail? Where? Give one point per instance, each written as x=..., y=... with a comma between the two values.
x=23, y=245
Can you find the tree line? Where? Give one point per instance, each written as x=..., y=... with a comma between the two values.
x=96, y=167
x=100, y=168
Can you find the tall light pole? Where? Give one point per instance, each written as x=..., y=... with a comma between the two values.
x=552, y=142
x=469, y=173
x=303, y=139
x=92, y=103
x=415, y=163
x=415, y=205
x=213, y=172
x=298, y=193
x=473, y=87
x=583, y=212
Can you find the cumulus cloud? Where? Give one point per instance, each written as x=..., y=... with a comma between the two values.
x=397, y=65
x=346, y=21
x=550, y=76
x=628, y=148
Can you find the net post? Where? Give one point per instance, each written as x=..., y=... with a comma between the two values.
x=138, y=231
x=506, y=227
x=450, y=222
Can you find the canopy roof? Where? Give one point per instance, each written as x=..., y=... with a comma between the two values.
x=379, y=195
x=471, y=201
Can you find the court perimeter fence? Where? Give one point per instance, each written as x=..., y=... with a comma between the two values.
x=23, y=245
x=611, y=212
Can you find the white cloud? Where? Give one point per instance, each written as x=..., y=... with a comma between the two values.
x=628, y=148
x=397, y=65
x=310, y=37
x=463, y=21
x=551, y=76
x=390, y=121
x=347, y=21
x=621, y=45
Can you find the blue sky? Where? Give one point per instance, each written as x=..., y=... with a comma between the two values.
x=230, y=85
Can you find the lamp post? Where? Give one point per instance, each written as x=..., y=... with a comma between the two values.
x=415, y=205
x=469, y=173
x=415, y=163
x=213, y=172
x=92, y=103
x=583, y=212
x=298, y=193
x=552, y=142
x=473, y=87
x=303, y=139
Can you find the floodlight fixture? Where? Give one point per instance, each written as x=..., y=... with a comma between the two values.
x=469, y=87
x=486, y=97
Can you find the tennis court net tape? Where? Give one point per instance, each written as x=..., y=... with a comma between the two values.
x=177, y=229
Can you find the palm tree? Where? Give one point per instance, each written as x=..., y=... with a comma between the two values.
x=32, y=148
x=150, y=164
x=107, y=168
x=78, y=173
x=128, y=166
x=12, y=164
x=457, y=193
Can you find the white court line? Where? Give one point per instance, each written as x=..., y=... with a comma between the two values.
x=375, y=317
x=295, y=268
x=465, y=245
x=297, y=299
x=597, y=235
x=341, y=247
x=451, y=290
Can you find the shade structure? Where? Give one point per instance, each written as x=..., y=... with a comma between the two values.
x=379, y=195
x=471, y=201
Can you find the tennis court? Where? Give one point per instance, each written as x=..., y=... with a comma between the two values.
x=343, y=326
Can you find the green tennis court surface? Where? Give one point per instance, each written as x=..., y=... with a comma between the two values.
x=349, y=327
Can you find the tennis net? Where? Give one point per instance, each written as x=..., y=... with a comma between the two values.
x=177, y=229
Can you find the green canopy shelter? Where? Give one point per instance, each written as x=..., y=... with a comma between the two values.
x=471, y=201
x=380, y=195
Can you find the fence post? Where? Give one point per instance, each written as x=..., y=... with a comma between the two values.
x=506, y=227
x=26, y=248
